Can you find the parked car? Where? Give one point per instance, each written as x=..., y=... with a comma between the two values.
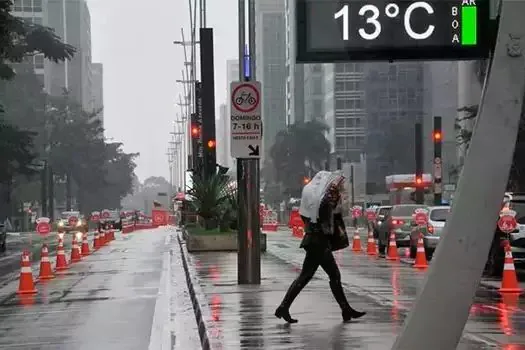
x=437, y=216
x=399, y=221
x=496, y=258
x=381, y=213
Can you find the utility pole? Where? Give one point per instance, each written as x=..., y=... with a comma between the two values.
x=437, y=175
x=248, y=177
x=418, y=153
x=209, y=156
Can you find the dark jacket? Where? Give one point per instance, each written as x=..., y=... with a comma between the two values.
x=317, y=235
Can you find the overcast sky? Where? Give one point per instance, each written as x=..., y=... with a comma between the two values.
x=133, y=39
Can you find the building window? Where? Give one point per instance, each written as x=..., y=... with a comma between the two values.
x=339, y=123
x=28, y=7
x=37, y=5
x=18, y=6
x=39, y=61
x=37, y=20
x=340, y=142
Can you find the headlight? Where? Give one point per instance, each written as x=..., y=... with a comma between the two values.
x=60, y=223
x=379, y=222
x=79, y=223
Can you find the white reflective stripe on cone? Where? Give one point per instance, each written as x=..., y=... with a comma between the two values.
x=420, y=249
x=25, y=258
x=44, y=259
x=508, y=254
x=26, y=269
x=508, y=267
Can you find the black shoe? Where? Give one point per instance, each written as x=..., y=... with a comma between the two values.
x=349, y=314
x=282, y=312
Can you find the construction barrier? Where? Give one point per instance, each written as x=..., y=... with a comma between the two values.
x=269, y=222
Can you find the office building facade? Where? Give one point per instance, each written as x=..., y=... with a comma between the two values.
x=314, y=94
x=271, y=67
x=33, y=11
x=75, y=75
x=344, y=110
x=294, y=72
x=97, y=90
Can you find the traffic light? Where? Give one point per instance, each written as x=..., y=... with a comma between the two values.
x=438, y=161
x=419, y=181
x=211, y=144
x=195, y=131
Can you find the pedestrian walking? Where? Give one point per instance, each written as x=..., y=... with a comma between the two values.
x=325, y=233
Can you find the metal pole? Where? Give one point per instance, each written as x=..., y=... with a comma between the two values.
x=249, y=234
x=352, y=181
x=418, y=153
x=465, y=244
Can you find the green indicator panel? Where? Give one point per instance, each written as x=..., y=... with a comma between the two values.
x=469, y=25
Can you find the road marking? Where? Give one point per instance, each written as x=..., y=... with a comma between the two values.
x=160, y=336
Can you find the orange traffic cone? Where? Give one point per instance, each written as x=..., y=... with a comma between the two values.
x=392, y=248
x=421, y=257
x=46, y=273
x=509, y=283
x=75, y=252
x=61, y=257
x=96, y=241
x=301, y=231
x=102, y=238
x=371, y=244
x=26, y=285
x=85, y=245
x=111, y=235
x=356, y=243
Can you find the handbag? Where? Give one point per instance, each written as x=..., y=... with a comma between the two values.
x=339, y=239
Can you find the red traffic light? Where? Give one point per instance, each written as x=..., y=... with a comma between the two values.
x=211, y=144
x=195, y=131
x=437, y=136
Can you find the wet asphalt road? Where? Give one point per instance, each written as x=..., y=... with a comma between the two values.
x=107, y=301
x=16, y=243
x=241, y=317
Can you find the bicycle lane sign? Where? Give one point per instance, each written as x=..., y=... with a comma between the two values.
x=245, y=119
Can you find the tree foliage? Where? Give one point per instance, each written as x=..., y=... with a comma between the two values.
x=516, y=181
x=56, y=130
x=299, y=151
x=20, y=39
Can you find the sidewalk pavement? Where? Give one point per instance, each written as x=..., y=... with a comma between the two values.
x=241, y=317
x=119, y=297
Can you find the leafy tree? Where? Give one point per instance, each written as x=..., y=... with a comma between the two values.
x=298, y=152
x=516, y=180
x=20, y=39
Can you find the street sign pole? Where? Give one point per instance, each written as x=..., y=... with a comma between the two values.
x=452, y=280
x=249, y=237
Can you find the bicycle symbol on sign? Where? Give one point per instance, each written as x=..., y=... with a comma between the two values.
x=245, y=98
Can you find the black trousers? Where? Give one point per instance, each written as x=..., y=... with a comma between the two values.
x=314, y=258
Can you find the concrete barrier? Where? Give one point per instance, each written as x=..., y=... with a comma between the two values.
x=223, y=242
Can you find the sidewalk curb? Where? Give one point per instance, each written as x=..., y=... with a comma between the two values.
x=192, y=285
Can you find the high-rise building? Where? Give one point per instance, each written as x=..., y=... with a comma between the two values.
x=394, y=103
x=34, y=11
x=71, y=20
x=97, y=90
x=223, y=137
x=271, y=67
x=313, y=92
x=232, y=74
x=294, y=72
x=344, y=110
x=441, y=99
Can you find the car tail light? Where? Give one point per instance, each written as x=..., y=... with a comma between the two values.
x=397, y=222
x=430, y=229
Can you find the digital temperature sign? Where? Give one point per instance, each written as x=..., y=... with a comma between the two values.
x=350, y=30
